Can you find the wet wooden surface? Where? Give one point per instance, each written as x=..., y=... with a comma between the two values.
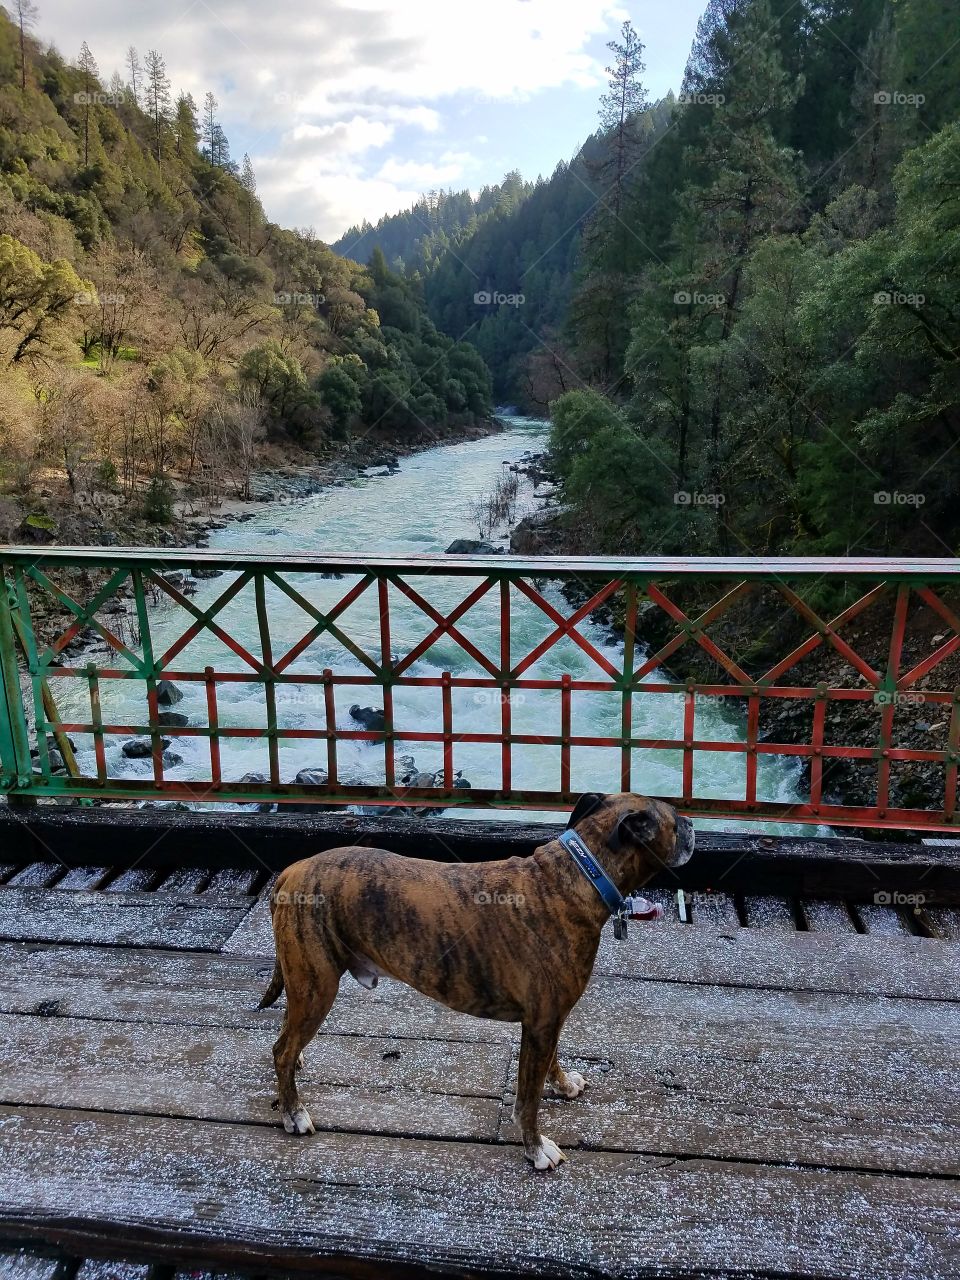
x=773, y=1092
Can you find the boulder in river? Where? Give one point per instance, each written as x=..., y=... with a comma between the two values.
x=311, y=778
x=173, y=720
x=370, y=717
x=168, y=695
x=471, y=547
x=141, y=748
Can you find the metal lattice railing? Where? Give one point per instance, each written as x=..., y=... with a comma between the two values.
x=267, y=654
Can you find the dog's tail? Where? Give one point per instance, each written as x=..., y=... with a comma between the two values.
x=273, y=991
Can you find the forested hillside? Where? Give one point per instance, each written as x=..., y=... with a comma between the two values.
x=743, y=303
x=783, y=373
x=516, y=239
x=153, y=322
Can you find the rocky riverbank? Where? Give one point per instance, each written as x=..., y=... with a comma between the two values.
x=52, y=516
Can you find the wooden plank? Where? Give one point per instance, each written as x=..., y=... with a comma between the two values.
x=200, y=989
x=769, y=912
x=135, y=879
x=942, y=922
x=23, y=1264
x=36, y=875
x=254, y=934
x=83, y=877
x=134, y=919
x=827, y=915
x=716, y=910
x=223, y=1196
x=918, y=968
x=686, y=1115
x=744, y=863
x=426, y=1088
x=95, y=1269
x=184, y=880
x=884, y=921
x=234, y=880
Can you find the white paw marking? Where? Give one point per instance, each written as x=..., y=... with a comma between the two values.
x=301, y=1062
x=548, y=1155
x=298, y=1121
x=574, y=1084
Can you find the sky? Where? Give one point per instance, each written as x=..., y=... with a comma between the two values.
x=350, y=109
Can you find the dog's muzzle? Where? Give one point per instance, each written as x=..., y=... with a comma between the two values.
x=685, y=842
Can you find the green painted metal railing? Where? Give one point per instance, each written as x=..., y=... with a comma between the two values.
x=349, y=603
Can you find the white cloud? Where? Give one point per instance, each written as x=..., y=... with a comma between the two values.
x=312, y=89
x=411, y=173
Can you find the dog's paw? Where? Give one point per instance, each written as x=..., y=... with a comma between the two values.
x=570, y=1086
x=547, y=1155
x=301, y=1062
x=575, y=1084
x=298, y=1121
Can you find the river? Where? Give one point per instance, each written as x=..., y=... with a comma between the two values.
x=419, y=509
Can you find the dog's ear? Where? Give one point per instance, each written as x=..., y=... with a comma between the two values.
x=586, y=805
x=638, y=827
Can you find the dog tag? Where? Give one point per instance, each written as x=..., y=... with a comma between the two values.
x=620, y=927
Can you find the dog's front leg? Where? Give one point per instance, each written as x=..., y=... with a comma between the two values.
x=538, y=1047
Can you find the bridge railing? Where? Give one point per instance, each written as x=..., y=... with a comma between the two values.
x=720, y=684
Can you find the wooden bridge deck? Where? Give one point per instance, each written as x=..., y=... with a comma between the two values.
x=765, y=1100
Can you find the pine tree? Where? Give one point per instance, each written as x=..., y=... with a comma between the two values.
x=25, y=13
x=158, y=99
x=881, y=123
x=620, y=109
x=751, y=188
x=91, y=76
x=220, y=149
x=209, y=125
x=186, y=130
x=600, y=308
x=248, y=181
x=136, y=73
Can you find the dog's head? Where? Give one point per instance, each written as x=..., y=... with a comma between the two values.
x=646, y=834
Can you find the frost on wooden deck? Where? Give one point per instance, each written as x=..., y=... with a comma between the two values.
x=763, y=1102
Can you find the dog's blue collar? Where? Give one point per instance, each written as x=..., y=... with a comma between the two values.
x=592, y=869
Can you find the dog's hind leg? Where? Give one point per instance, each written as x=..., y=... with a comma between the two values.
x=563, y=1084
x=308, y=1003
x=538, y=1048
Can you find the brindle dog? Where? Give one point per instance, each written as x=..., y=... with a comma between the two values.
x=513, y=940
